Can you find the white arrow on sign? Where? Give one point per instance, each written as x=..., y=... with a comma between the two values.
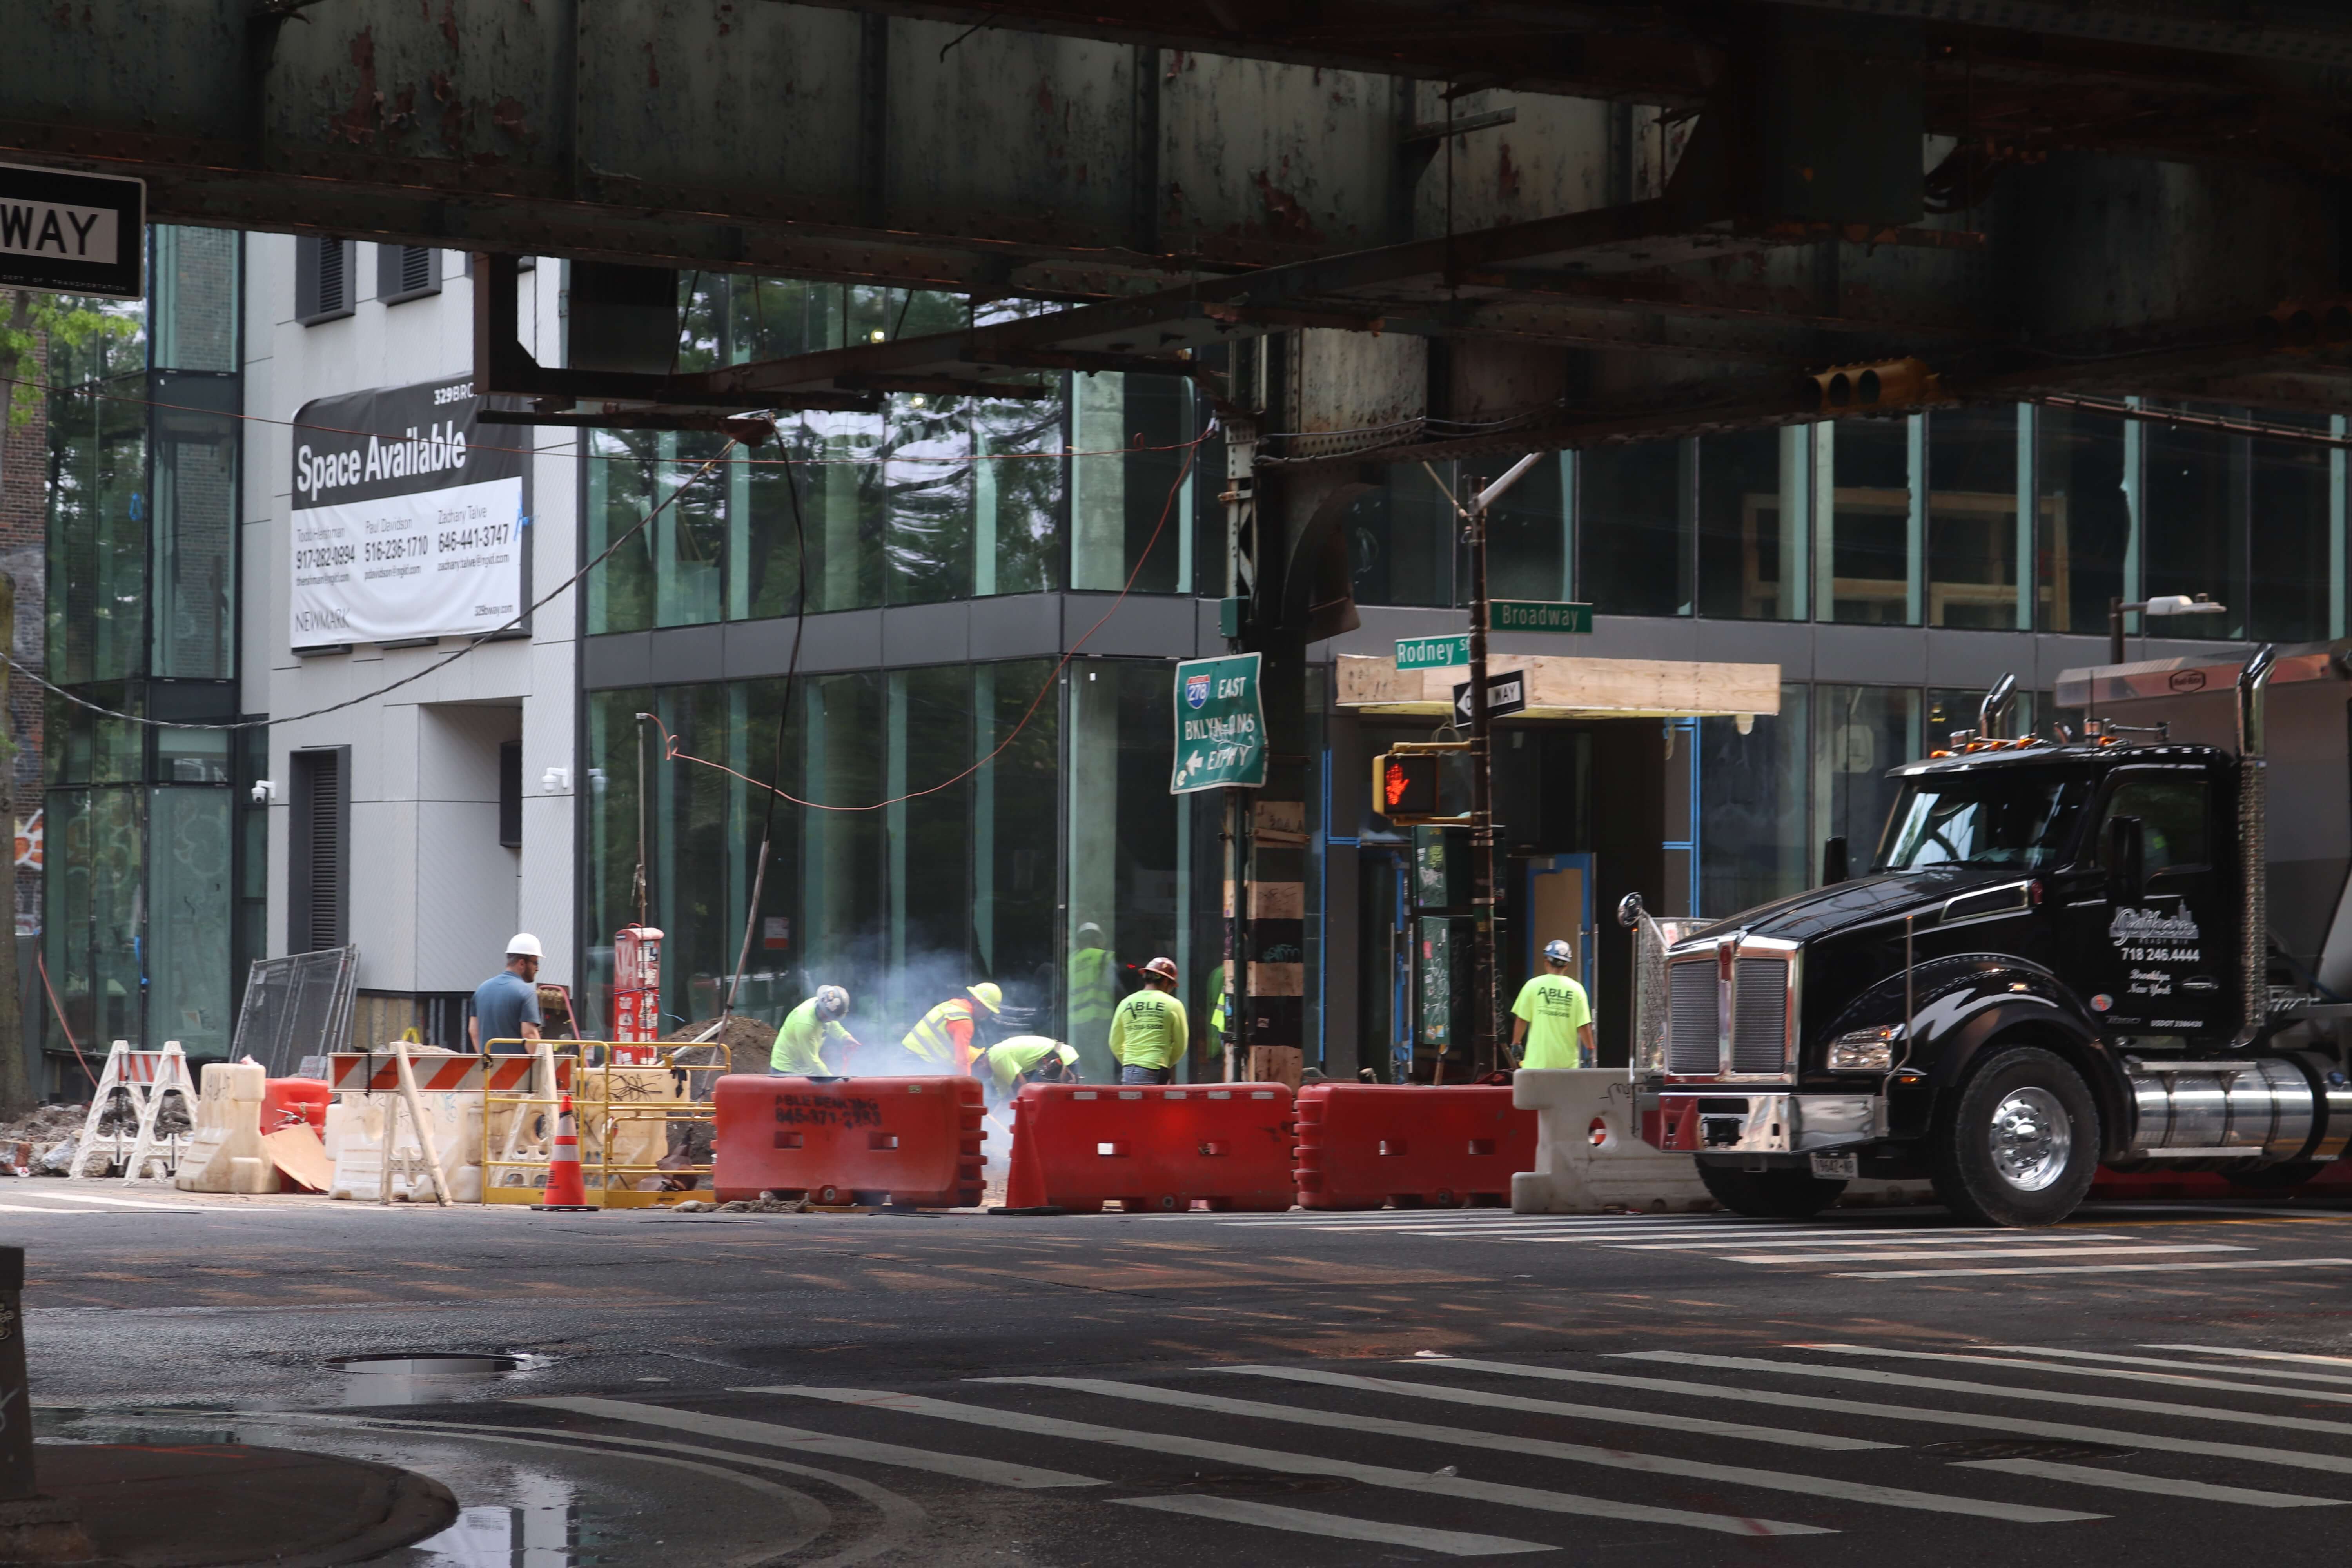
x=1505, y=694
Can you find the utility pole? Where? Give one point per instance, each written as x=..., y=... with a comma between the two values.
x=1240, y=498
x=1487, y=1035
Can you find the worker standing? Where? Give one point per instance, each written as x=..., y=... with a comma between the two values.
x=506, y=1006
x=1552, y=1017
x=1148, y=1035
x=942, y=1038
x=1093, y=987
x=808, y=1029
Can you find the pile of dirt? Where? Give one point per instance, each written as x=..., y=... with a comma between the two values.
x=43, y=1124
x=747, y=1040
x=764, y=1204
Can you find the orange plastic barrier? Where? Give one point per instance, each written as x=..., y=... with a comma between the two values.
x=915, y=1140
x=1227, y=1145
x=1361, y=1145
x=288, y=1100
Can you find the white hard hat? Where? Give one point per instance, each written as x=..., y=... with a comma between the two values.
x=832, y=1002
x=522, y=944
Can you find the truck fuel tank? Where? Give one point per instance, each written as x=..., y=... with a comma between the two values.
x=2256, y=1108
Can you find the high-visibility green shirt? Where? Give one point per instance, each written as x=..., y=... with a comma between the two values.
x=1147, y=1030
x=801, y=1039
x=1090, y=985
x=1555, y=1008
x=1007, y=1060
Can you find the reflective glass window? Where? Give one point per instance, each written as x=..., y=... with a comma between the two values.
x=1633, y=527
x=2083, y=518
x=2195, y=525
x=1756, y=842
x=1973, y=549
x=1859, y=732
x=1753, y=529
x=1867, y=563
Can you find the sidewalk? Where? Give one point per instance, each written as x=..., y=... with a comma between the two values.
x=200, y=1505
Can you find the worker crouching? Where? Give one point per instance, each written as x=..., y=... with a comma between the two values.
x=1148, y=1031
x=941, y=1040
x=808, y=1029
x=1005, y=1066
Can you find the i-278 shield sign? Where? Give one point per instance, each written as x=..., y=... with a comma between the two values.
x=1220, y=725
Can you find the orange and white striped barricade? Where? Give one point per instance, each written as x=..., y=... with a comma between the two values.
x=123, y=1111
x=384, y=1144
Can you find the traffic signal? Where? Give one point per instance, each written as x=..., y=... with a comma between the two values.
x=1887, y=383
x=1408, y=783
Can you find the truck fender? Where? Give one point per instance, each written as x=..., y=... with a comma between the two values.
x=1966, y=1002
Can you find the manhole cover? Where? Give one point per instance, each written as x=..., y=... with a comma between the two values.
x=425, y=1364
x=1253, y=1483
x=2019, y=1448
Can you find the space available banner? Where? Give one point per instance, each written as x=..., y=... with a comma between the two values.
x=410, y=527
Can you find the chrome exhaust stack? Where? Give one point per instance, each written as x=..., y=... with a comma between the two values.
x=1995, y=704
x=2254, y=847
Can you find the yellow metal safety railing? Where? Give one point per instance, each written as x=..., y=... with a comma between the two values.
x=638, y=1107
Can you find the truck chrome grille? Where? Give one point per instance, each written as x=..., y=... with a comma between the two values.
x=1759, y=1015
x=1692, y=1032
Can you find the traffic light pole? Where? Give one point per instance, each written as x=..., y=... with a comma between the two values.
x=1487, y=1028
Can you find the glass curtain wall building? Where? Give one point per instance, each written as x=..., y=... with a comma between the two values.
x=147, y=838
x=1009, y=820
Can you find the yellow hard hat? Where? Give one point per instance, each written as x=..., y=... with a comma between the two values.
x=989, y=996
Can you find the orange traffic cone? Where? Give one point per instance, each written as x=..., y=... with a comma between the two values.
x=565, y=1190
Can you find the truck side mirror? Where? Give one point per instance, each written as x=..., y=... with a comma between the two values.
x=2126, y=859
x=1833, y=862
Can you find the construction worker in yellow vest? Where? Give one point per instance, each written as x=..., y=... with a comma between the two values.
x=1094, y=984
x=1552, y=1020
x=943, y=1038
x=1148, y=1035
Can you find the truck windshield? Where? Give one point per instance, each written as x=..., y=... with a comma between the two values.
x=2012, y=819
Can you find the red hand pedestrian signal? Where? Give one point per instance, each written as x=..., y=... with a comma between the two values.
x=1405, y=784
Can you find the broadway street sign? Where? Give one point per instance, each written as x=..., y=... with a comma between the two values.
x=1538, y=616
x=72, y=233
x=1220, y=725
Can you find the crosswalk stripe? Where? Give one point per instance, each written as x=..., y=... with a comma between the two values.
x=997, y=1472
x=1784, y=1436
x=2262, y=1355
x=2003, y=1390
x=2275, y=1373
x=2012, y=1426
x=98, y=1198
x=1576, y=1453
x=2131, y=1374
x=2100, y=1269
x=1542, y=1500
x=1861, y=1238
x=1305, y=1522
x=2074, y=1249
x=2162, y=1486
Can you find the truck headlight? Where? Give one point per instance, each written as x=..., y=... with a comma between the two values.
x=1865, y=1050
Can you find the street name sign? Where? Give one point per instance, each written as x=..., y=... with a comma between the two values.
x=1220, y=725
x=1505, y=695
x=72, y=233
x=1433, y=653
x=1538, y=616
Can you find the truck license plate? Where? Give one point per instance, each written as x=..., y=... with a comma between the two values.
x=1834, y=1167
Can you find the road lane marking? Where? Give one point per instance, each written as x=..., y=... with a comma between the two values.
x=997, y=1472
x=2177, y=1365
x=2075, y=1249
x=2266, y=1355
x=2011, y=1426
x=1993, y=1391
x=1575, y=1453
x=1605, y=1413
x=2162, y=1486
x=1544, y=1500
x=1336, y=1527
x=1861, y=1238
x=2127, y=1372
x=2098, y=1268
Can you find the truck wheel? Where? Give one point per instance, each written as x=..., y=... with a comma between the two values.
x=2019, y=1143
x=1768, y=1195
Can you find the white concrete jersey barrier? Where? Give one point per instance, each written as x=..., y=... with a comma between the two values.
x=225, y=1154
x=1590, y=1157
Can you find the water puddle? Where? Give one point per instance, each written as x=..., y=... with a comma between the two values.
x=543, y=1526
x=421, y=1379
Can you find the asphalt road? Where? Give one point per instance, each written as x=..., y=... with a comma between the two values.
x=2156, y=1386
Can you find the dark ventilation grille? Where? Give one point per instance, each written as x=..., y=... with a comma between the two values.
x=322, y=280
x=415, y=269
x=510, y=793
x=334, y=286
x=1759, y=1015
x=406, y=272
x=317, y=894
x=1691, y=1023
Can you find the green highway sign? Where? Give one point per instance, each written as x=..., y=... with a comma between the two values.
x=1433, y=653
x=1220, y=724
x=1535, y=615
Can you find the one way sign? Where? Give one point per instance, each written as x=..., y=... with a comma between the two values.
x=72, y=233
x=1505, y=695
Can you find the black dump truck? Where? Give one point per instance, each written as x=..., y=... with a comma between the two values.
x=2130, y=947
